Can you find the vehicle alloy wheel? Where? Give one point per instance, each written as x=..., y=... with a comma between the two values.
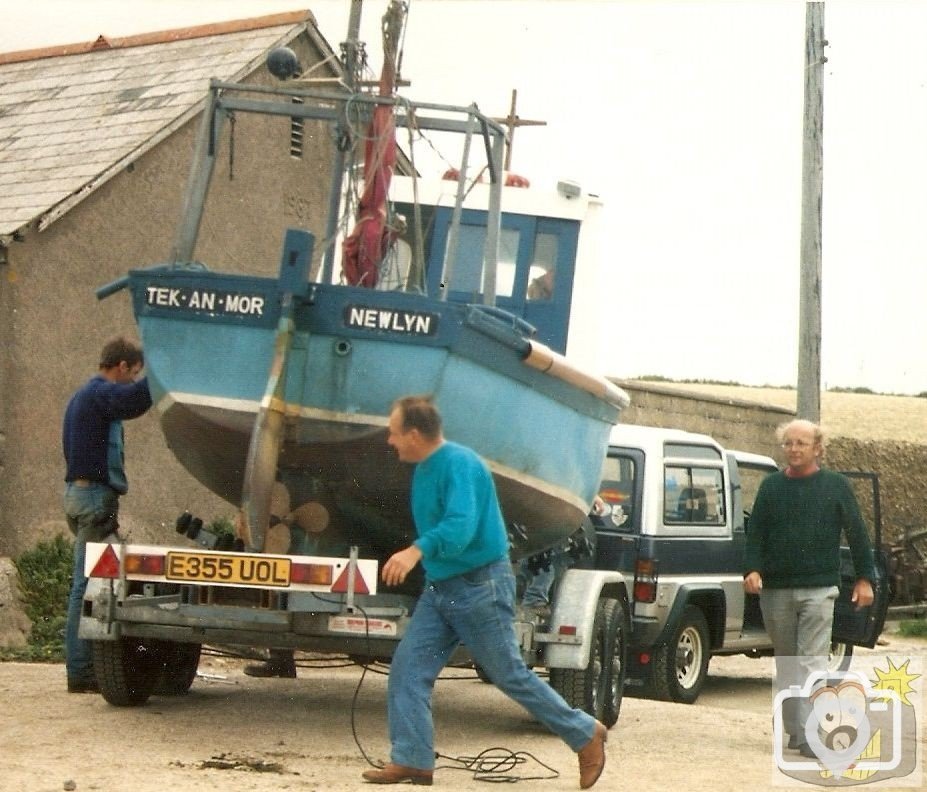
x=680, y=667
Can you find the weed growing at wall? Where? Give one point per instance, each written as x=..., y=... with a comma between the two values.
x=44, y=582
x=913, y=628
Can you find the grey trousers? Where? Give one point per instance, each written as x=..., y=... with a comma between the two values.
x=799, y=622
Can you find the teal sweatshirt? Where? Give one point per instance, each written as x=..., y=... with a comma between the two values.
x=793, y=534
x=456, y=511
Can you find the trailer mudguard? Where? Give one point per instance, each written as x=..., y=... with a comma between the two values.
x=574, y=606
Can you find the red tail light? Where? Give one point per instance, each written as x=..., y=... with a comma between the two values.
x=319, y=574
x=135, y=564
x=645, y=580
x=144, y=564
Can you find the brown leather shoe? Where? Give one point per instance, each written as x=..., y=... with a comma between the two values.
x=398, y=774
x=592, y=757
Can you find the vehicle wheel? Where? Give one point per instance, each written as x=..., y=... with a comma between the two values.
x=179, y=662
x=599, y=687
x=680, y=667
x=126, y=669
x=841, y=655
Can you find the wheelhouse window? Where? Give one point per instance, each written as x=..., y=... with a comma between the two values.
x=543, y=268
x=467, y=276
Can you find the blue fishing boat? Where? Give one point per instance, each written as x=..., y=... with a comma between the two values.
x=459, y=288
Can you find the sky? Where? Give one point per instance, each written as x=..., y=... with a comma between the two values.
x=685, y=118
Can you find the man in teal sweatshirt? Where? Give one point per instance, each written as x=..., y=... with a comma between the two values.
x=792, y=561
x=469, y=598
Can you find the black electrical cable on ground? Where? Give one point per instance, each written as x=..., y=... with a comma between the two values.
x=492, y=765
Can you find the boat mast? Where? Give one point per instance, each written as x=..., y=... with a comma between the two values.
x=512, y=122
x=350, y=49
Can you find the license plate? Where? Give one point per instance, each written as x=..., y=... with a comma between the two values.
x=228, y=570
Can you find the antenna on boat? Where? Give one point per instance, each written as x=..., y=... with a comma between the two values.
x=511, y=122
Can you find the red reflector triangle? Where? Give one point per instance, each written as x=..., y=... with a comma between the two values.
x=108, y=565
x=341, y=584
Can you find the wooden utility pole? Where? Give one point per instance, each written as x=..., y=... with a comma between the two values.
x=812, y=189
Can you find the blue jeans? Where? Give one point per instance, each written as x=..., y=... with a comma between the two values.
x=92, y=514
x=537, y=585
x=476, y=609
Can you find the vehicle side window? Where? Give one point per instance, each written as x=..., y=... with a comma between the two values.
x=693, y=496
x=750, y=479
x=617, y=490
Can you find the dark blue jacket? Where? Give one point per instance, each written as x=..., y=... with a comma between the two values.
x=87, y=419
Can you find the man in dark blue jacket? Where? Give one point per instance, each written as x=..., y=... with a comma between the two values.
x=92, y=438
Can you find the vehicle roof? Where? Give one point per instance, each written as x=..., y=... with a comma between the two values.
x=650, y=438
x=747, y=458
x=647, y=436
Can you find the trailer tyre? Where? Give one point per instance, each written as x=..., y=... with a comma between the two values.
x=599, y=687
x=178, y=665
x=126, y=670
x=680, y=667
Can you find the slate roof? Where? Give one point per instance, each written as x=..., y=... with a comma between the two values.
x=73, y=117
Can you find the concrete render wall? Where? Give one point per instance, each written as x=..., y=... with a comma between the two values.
x=52, y=327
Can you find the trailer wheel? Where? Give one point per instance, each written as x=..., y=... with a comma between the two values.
x=611, y=704
x=599, y=687
x=126, y=670
x=178, y=662
x=680, y=667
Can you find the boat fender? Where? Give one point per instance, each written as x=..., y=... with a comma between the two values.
x=509, y=179
x=544, y=359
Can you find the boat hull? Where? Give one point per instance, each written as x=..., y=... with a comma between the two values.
x=209, y=343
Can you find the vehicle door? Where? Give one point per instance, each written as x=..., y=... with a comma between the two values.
x=863, y=627
x=618, y=529
x=746, y=473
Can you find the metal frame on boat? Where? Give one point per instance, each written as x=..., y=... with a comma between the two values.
x=262, y=381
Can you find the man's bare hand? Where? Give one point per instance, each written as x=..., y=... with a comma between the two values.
x=862, y=594
x=753, y=583
x=399, y=565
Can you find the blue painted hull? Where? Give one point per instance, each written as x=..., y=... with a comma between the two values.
x=209, y=341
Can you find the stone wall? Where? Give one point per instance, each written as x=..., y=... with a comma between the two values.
x=902, y=469
x=750, y=426
x=744, y=425
x=14, y=624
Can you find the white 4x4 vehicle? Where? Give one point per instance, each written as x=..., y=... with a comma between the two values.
x=676, y=526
